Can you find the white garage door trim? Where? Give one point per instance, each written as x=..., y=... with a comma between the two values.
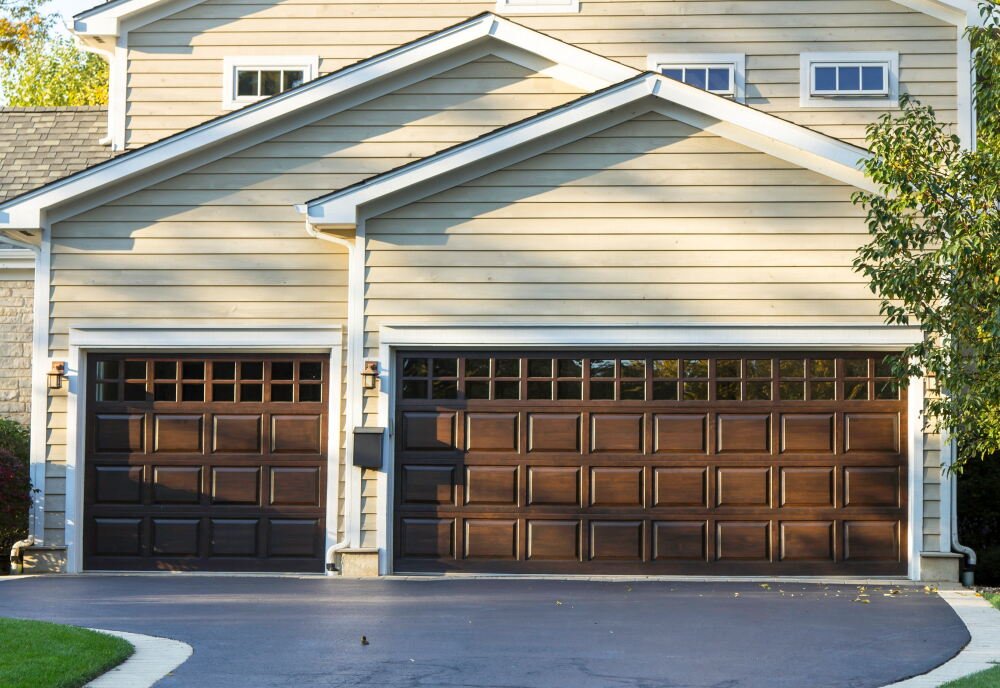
x=305, y=339
x=490, y=336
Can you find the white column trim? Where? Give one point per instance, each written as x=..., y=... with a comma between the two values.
x=38, y=427
x=241, y=339
x=491, y=336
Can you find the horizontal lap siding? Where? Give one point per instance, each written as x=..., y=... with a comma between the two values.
x=175, y=64
x=223, y=244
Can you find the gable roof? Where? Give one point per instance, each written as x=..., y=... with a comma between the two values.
x=39, y=145
x=492, y=34
x=575, y=120
x=107, y=19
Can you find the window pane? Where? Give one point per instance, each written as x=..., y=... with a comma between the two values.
x=727, y=367
x=224, y=392
x=135, y=391
x=135, y=370
x=633, y=368
x=284, y=392
x=107, y=369
x=166, y=391
x=718, y=79
x=872, y=78
x=758, y=391
x=246, y=82
x=414, y=367
x=412, y=389
x=602, y=390
x=602, y=367
x=506, y=390
x=857, y=391
x=477, y=390
x=665, y=368
x=856, y=367
x=193, y=370
x=792, y=367
x=823, y=391
x=695, y=367
x=675, y=73
x=570, y=390
x=696, y=77
x=292, y=78
x=508, y=367
x=848, y=78
x=759, y=367
x=821, y=367
x=193, y=392
x=791, y=391
x=445, y=389
x=165, y=370
x=310, y=370
x=252, y=370
x=310, y=392
x=887, y=390
x=282, y=370
x=539, y=390
x=570, y=367
x=252, y=392
x=695, y=391
x=477, y=367
x=665, y=391
x=270, y=82
x=727, y=391
x=826, y=79
x=883, y=366
x=539, y=367
x=445, y=367
x=634, y=390
x=224, y=370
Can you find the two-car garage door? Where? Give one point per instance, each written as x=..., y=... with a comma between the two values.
x=649, y=462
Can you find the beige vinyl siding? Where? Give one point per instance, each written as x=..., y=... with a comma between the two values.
x=651, y=221
x=223, y=244
x=175, y=64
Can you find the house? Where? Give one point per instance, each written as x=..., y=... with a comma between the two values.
x=540, y=286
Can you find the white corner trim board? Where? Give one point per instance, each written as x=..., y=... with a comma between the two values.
x=94, y=338
x=644, y=93
x=223, y=134
x=493, y=336
x=152, y=660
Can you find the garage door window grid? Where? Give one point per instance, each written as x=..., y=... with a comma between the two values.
x=670, y=377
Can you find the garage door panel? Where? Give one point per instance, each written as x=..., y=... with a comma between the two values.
x=750, y=464
x=206, y=462
x=176, y=484
x=118, y=484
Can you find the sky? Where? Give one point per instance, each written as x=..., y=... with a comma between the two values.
x=67, y=8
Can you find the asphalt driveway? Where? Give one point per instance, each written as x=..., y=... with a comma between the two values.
x=252, y=631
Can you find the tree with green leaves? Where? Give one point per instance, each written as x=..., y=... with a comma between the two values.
x=934, y=253
x=20, y=21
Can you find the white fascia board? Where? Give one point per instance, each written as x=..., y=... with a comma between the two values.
x=27, y=211
x=769, y=134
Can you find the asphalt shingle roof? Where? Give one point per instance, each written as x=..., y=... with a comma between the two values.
x=39, y=145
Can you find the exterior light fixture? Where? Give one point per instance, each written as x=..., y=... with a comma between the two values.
x=369, y=376
x=56, y=375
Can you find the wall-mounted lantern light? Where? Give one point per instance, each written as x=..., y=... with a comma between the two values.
x=56, y=375
x=369, y=376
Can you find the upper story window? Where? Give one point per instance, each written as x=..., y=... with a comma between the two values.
x=538, y=6
x=849, y=79
x=248, y=79
x=713, y=72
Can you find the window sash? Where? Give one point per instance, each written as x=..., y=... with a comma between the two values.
x=730, y=68
x=283, y=80
x=860, y=91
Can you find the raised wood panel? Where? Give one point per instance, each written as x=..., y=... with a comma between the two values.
x=176, y=536
x=807, y=433
x=296, y=434
x=680, y=487
x=427, y=537
x=429, y=431
x=234, y=537
x=176, y=484
x=616, y=486
x=807, y=487
x=236, y=485
x=117, y=537
x=871, y=432
x=750, y=433
x=743, y=486
x=177, y=434
x=118, y=484
x=616, y=540
x=616, y=433
x=553, y=540
x=428, y=484
x=806, y=541
x=118, y=433
x=295, y=486
x=236, y=434
x=681, y=434
x=871, y=486
x=553, y=485
x=491, y=432
x=679, y=540
x=742, y=541
x=554, y=432
x=871, y=540
x=491, y=539
x=491, y=485
x=290, y=537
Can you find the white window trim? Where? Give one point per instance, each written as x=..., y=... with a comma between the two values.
x=880, y=102
x=553, y=7
x=96, y=338
x=657, y=61
x=308, y=63
x=747, y=337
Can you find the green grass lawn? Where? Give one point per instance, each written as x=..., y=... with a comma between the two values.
x=984, y=679
x=36, y=654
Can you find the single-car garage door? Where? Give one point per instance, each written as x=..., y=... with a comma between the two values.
x=205, y=462
x=649, y=462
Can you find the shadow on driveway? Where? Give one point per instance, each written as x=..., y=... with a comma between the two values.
x=249, y=632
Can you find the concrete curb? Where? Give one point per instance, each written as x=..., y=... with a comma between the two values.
x=153, y=659
x=982, y=652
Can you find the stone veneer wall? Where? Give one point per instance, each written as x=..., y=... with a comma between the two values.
x=16, y=298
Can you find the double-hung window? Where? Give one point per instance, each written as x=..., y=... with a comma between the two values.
x=249, y=79
x=716, y=73
x=849, y=79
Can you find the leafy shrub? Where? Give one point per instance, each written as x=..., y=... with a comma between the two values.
x=14, y=437
x=15, y=502
x=979, y=516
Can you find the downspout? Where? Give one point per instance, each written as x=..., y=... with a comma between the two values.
x=969, y=575
x=348, y=523
x=17, y=556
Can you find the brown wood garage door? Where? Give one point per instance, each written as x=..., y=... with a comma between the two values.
x=650, y=462
x=206, y=462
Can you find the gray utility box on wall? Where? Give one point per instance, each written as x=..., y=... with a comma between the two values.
x=368, y=447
